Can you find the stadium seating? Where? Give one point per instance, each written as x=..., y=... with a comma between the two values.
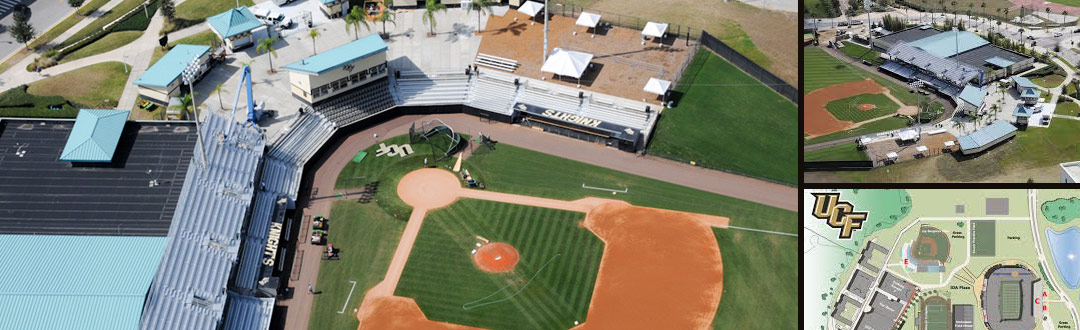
x=550, y=96
x=435, y=88
x=493, y=92
x=624, y=113
x=357, y=104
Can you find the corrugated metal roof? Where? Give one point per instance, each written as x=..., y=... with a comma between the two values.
x=1022, y=111
x=247, y=313
x=949, y=43
x=986, y=135
x=169, y=67
x=189, y=290
x=233, y=22
x=949, y=70
x=95, y=135
x=1023, y=82
x=75, y=282
x=342, y=55
x=972, y=95
x=999, y=62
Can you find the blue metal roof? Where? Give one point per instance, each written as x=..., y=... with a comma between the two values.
x=1023, y=82
x=1022, y=111
x=233, y=22
x=999, y=62
x=986, y=135
x=949, y=43
x=1030, y=92
x=75, y=282
x=169, y=67
x=344, y=54
x=972, y=95
x=95, y=135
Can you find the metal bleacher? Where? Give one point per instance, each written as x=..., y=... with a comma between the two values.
x=493, y=92
x=551, y=96
x=432, y=88
x=625, y=113
x=495, y=62
x=357, y=104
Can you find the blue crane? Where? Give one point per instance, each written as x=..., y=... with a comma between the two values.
x=255, y=114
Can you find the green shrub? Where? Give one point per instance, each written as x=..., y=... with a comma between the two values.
x=16, y=102
x=139, y=21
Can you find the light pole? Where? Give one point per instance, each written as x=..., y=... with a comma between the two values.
x=144, y=10
x=189, y=75
x=546, y=8
x=125, y=63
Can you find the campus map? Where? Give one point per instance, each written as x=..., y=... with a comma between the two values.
x=941, y=259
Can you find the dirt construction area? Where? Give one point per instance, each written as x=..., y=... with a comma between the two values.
x=818, y=121
x=660, y=269
x=621, y=65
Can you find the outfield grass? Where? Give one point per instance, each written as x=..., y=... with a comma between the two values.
x=367, y=238
x=95, y=86
x=861, y=53
x=761, y=276
x=725, y=119
x=107, y=43
x=871, y=127
x=441, y=276
x=822, y=69
x=847, y=108
x=1048, y=81
x=846, y=151
x=205, y=38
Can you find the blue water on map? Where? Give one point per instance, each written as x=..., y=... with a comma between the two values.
x=1065, y=247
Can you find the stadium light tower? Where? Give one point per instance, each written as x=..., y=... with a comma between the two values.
x=546, y=8
x=188, y=75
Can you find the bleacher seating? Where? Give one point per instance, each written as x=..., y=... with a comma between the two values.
x=419, y=88
x=623, y=113
x=493, y=92
x=357, y=104
x=551, y=97
x=496, y=62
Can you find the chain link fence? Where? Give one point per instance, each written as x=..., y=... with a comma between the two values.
x=764, y=76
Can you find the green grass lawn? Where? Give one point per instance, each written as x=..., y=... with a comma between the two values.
x=760, y=274
x=861, y=53
x=822, y=69
x=16, y=102
x=205, y=38
x=55, y=31
x=97, y=86
x=702, y=128
x=107, y=43
x=845, y=151
x=871, y=127
x=441, y=276
x=847, y=108
x=1068, y=109
x=367, y=238
x=1049, y=81
x=193, y=12
x=99, y=23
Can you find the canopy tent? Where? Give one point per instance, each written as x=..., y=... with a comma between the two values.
x=588, y=20
x=658, y=86
x=922, y=149
x=654, y=29
x=908, y=135
x=531, y=8
x=567, y=63
x=892, y=155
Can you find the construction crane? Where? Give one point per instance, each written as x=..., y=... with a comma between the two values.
x=255, y=113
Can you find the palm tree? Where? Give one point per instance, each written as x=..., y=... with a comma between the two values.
x=483, y=6
x=386, y=15
x=218, y=90
x=1021, y=35
x=1006, y=17
x=267, y=45
x=958, y=125
x=432, y=6
x=314, y=33
x=1063, y=13
x=970, y=5
x=187, y=103
x=354, y=20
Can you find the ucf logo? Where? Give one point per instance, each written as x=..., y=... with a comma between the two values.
x=838, y=214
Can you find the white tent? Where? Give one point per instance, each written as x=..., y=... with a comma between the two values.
x=654, y=29
x=588, y=19
x=567, y=63
x=657, y=86
x=531, y=8
x=908, y=135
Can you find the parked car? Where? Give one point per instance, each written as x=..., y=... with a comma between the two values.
x=268, y=16
x=285, y=24
x=1030, y=37
x=856, y=22
x=1057, y=34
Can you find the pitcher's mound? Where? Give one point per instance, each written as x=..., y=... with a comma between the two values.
x=866, y=107
x=496, y=257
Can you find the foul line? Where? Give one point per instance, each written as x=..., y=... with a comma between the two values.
x=625, y=190
x=765, y=231
x=463, y=306
x=347, y=299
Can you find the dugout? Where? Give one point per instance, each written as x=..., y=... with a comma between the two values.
x=578, y=127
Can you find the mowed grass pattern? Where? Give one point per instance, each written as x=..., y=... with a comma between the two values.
x=821, y=70
x=848, y=108
x=441, y=276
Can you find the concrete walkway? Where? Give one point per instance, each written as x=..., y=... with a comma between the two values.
x=85, y=21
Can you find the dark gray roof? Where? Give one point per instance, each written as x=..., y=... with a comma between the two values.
x=977, y=57
x=861, y=284
x=897, y=287
x=883, y=313
x=39, y=194
x=905, y=36
x=189, y=290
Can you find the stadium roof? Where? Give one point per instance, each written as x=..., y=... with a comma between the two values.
x=342, y=55
x=955, y=73
x=75, y=282
x=986, y=135
x=972, y=95
x=170, y=66
x=1023, y=82
x=999, y=62
x=95, y=135
x=40, y=194
x=233, y=22
x=949, y=43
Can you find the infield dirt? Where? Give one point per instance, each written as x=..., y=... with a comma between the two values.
x=817, y=120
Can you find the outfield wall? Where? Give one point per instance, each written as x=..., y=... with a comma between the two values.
x=764, y=76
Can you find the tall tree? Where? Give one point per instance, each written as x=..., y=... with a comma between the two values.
x=481, y=7
x=220, y=88
x=354, y=20
x=75, y=3
x=187, y=103
x=386, y=15
x=432, y=6
x=267, y=45
x=313, y=33
x=21, y=30
x=168, y=9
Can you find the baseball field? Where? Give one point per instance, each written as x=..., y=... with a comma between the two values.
x=764, y=264
x=719, y=120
